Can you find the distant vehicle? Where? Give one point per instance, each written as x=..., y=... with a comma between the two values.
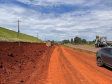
x=59, y=43
x=104, y=56
x=101, y=42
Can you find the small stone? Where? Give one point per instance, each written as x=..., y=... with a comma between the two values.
x=10, y=55
x=21, y=81
x=1, y=66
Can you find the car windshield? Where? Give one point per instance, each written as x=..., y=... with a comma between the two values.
x=111, y=51
x=103, y=39
x=106, y=50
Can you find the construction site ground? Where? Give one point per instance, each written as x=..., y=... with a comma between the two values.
x=35, y=63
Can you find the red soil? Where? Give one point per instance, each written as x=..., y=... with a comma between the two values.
x=19, y=64
x=32, y=63
x=68, y=66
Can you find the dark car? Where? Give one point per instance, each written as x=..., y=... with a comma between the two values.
x=104, y=57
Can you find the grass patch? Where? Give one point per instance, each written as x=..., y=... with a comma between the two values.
x=11, y=36
x=55, y=42
x=79, y=49
x=90, y=45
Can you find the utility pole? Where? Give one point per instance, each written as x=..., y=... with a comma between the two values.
x=45, y=39
x=37, y=37
x=18, y=28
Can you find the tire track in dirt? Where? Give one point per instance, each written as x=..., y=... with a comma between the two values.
x=55, y=73
x=90, y=60
x=68, y=66
x=93, y=71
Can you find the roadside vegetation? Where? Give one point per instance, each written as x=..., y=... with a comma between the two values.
x=89, y=44
x=11, y=36
x=79, y=41
x=54, y=42
x=79, y=49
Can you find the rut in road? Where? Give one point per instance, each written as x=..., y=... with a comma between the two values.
x=68, y=66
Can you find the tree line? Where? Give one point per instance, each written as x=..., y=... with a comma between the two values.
x=76, y=40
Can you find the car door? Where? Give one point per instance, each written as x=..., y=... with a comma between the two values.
x=110, y=60
x=106, y=56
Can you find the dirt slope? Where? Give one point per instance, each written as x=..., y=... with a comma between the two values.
x=39, y=64
x=24, y=64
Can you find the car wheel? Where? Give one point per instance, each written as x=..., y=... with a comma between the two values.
x=100, y=62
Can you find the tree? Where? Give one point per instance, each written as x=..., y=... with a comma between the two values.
x=84, y=41
x=65, y=41
x=52, y=41
x=71, y=40
x=91, y=42
x=78, y=40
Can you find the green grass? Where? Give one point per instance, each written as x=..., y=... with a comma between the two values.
x=11, y=36
x=90, y=45
x=55, y=42
x=79, y=49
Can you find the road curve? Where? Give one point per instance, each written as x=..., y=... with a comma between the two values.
x=68, y=66
x=84, y=47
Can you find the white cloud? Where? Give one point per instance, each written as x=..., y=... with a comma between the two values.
x=83, y=23
x=80, y=3
x=52, y=2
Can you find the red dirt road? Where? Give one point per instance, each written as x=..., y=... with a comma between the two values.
x=54, y=65
x=85, y=47
x=68, y=66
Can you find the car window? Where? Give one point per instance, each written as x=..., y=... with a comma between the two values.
x=111, y=51
x=106, y=50
x=103, y=50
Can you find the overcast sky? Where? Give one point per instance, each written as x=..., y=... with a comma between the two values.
x=58, y=19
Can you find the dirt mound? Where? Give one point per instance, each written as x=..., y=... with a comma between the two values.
x=17, y=63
